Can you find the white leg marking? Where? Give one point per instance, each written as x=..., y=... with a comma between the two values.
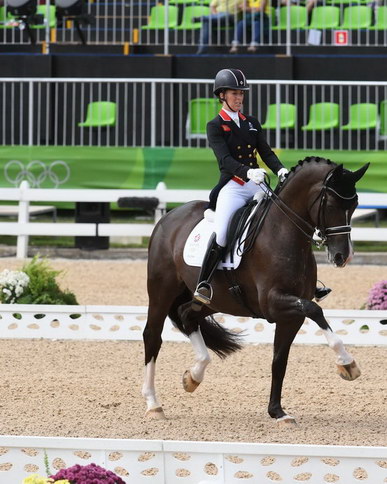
x=148, y=388
x=334, y=342
x=201, y=354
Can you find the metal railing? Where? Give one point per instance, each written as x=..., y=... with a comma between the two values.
x=144, y=23
x=164, y=113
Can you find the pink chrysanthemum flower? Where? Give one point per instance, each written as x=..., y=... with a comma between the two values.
x=90, y=474
x=377, y=298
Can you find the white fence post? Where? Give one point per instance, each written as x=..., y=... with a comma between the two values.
x=23, y=218
x=162, y=206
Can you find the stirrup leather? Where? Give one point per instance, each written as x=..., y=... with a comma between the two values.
x=204, y=292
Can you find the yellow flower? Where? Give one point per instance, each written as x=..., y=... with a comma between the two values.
x=36, y=479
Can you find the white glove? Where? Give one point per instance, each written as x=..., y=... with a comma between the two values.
x=282, y=174
x=257, y=175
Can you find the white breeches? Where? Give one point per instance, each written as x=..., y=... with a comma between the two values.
x=231, y=197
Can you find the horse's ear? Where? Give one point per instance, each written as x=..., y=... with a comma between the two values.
x=337, y=172
x=360, y=172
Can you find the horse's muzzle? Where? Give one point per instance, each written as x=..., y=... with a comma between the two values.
x=338, y=259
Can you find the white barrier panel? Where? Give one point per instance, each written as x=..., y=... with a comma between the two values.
x=358, y=327
x=183, y=462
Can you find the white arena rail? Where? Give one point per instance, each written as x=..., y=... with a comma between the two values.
x=23, y=228
x=186, y=462
x=357, y=327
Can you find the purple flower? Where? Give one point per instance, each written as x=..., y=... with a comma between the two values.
x=90, y=474
x=377, y=298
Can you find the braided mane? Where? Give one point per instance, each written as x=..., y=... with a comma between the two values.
x=309, y=159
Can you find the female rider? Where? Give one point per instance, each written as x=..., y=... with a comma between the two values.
x=235, y=139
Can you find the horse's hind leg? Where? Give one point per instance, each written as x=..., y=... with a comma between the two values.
x=160, y=301
x=152, y=344
x=194, y=376
x=190, y=322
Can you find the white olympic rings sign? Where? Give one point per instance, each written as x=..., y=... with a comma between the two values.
x=36, y=172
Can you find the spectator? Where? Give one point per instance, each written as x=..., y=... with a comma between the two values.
x=223, y=12
x=310, y=4
x=256, y=21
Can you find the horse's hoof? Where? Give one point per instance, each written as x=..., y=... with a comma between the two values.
x=349, y=372
x=286, y=421
x=155, y=414
x=189, y=384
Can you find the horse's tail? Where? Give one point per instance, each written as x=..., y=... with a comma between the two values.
x=217, y=338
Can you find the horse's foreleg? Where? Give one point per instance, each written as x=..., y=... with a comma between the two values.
x=194, y=376
x=284, y=336
x=346, y=365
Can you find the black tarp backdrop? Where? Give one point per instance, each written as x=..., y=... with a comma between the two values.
x=322, y=63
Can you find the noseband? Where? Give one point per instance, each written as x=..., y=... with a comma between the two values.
x=322, y=231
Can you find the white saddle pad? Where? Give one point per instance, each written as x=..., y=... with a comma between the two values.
x=197, y=242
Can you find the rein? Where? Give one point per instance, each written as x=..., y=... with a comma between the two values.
x=323, y=231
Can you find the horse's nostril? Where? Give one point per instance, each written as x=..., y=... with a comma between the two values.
x=339, y=259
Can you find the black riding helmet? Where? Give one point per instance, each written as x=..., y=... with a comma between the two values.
x=230, y=79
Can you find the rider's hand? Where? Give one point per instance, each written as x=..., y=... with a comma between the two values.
x=282, y=174
x=257, y=175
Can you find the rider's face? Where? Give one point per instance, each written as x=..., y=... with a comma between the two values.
x=234, y=98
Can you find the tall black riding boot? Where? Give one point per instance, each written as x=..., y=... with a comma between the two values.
x=212, y=257
x=321, y=293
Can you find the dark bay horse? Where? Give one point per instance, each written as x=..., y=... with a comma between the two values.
x=277, y=276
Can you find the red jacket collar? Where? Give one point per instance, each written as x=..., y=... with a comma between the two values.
x=226, y=117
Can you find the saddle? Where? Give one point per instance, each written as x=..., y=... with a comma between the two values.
x=242, y=231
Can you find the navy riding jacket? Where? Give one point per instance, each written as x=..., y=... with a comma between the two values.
x=236, y=149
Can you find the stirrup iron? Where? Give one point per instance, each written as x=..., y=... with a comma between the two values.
x=202, y=296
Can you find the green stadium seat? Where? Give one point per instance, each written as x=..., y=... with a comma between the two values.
x=357, y=17
x=287, y=113
x=272, y=14
x=380, y=19
x=5, y=17
x=42, y=10
x=346, y=2
x=157, y=17
x=189, y=14
x=100, y=114
x=327, y=17
x=183, y=2
x=298, y=18
x=322, y=116
x=200, y=111
x=383, y=118
x=362, y=116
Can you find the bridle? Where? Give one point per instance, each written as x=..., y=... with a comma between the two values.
x=322, y=230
